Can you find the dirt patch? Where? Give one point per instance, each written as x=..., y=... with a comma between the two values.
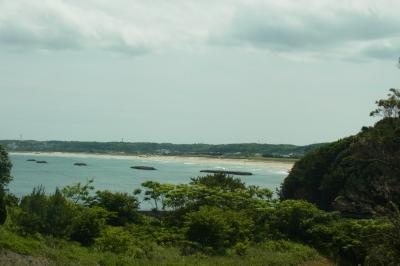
x=322, y=262
x=9, y=258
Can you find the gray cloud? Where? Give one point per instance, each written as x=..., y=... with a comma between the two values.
x=304, y=28
x=382, y=50
x=61, y=26
x=328, y=30
x=305, y=32
x=52, y=36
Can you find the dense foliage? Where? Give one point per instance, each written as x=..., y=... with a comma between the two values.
x=354, y=175
x=5, y=178
x=312, y=178
x=213, y=215
x=122, y=206
x=3, y=210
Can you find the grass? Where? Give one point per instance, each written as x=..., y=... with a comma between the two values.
x=61, y=252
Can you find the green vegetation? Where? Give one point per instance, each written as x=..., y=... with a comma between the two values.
x=5, y=178
x=245, y=150
x=340, y=201
x=213, y=220
x=51, y=251
x=357, y=174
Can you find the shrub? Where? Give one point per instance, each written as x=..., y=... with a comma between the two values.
x=293, y=219
x=350, y=241
x=124, y=207
x=88, y=225
x=49, y=215
x=241, y=248
x=114, y=239
x=5, y=168
x=218, y=229
x=5, y=178
x=383, y=255
x=32, y=214
x=220, y=180
x=3, y=211
x=60, y=215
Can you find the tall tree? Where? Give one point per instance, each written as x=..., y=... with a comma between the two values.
x=5, y=178
x=389, y=107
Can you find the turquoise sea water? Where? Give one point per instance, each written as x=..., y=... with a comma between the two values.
x=115, y=174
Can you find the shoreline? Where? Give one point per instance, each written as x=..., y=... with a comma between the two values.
x=287, y=165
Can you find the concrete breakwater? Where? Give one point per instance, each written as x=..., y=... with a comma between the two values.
x=226, y=172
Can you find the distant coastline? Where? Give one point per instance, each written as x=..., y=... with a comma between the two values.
x=281, y=163
x=247, y=151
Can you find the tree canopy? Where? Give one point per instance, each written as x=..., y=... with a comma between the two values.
x=389, y=107
x=353, y=175
x=5, y=178
x=5, y=168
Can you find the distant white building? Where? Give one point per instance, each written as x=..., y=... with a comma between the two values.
x=12, y=146
x=164, y=151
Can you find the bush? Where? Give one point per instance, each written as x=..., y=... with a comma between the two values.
x=5, y=178
x=60, y=215
x=49, y=215
x=5, y=168
x=293, y=218
x=3, y=211
x=114, y=239
x=220, y=180
x=124, y=207
x=241, y=248
x=32, y=212
x=120, y=241
x=350, y=241
x=218, y=229
x=88, y=225
x=382, y=255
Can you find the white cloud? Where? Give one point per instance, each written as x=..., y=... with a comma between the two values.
x=345, y=29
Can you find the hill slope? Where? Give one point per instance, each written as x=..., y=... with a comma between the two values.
x=352, y=175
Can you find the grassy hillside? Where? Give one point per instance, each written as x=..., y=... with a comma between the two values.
x=51, y=251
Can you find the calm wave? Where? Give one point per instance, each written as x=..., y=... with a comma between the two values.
x=115, y=173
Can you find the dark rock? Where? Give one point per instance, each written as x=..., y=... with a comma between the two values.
x=80, y=164
x=143, y=167
x=226, y=172
x=41, y=161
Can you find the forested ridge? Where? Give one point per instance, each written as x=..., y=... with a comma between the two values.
x=230, y=150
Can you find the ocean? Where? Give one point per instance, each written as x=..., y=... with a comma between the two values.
x=114, y=173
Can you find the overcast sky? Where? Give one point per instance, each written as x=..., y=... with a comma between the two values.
x=189, y=71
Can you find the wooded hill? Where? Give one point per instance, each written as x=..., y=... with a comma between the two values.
x=229, y=150
x=356, y=174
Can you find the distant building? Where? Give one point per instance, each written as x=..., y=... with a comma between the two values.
x=12, y=146
x=163, y=151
